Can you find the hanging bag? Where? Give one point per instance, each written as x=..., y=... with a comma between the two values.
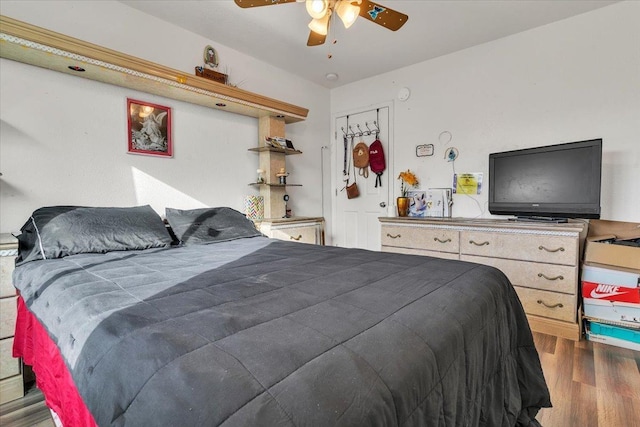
x=377, y=161
x=361, y=159
x=352, y=190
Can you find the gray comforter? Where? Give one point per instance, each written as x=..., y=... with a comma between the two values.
x=264, y=332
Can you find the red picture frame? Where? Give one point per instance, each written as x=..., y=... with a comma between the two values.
x=149, y=129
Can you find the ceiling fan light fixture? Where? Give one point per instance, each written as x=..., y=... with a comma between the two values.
x=317, y=9
x=320, y=26
x=347, y=12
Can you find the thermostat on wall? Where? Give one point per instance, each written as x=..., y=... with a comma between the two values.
x=424, y=150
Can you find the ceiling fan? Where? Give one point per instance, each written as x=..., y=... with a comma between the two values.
x=347, y=10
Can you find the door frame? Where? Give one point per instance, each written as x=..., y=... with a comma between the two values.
x=336, y=144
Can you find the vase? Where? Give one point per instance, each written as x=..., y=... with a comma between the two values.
x=403, y=206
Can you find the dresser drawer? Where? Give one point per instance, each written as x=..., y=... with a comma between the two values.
x=548, y=304
x=434, y=239
x=11, y=389
x=549, y=277
x=296, y=234
x=9, y=365
x=7, y=264
x=528, y=247
x=436, y=254
x=8, y=313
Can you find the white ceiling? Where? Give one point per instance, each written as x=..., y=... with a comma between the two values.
x=278, y=34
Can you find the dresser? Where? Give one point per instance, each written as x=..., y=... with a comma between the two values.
x=541, y=260
x=11, y=381
x=300, y=229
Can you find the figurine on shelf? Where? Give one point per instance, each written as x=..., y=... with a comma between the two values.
x=287, y=211
x=260, y=179
x=282, y=176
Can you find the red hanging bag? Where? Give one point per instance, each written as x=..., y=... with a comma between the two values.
x=376, y=160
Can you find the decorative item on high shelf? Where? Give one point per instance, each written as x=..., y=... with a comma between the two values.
x=254, y=207
x=407, y=180
x=212, y=75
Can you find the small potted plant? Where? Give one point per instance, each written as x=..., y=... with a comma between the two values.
x=407, y=180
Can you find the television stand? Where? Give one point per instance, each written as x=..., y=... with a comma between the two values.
x=543, y=219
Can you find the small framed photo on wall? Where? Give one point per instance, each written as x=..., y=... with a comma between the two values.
x=149, y=128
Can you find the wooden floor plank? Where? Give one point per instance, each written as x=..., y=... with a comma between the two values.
x=617, y=411
x=584, y=407
x=616, y=371
x=583, y=366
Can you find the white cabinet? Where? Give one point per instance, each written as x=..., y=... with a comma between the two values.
x=541, y=260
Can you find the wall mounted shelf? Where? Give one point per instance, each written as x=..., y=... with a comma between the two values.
x=37, y=46
x=286, y=151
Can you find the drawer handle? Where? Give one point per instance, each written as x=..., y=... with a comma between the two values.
x=542, y=248
x=551, y=278
x=478, y=244
x=550, y=306
x=296, y=238
x=393, y=237
x=441, y=241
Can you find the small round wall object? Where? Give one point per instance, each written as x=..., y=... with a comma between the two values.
x=404, y=94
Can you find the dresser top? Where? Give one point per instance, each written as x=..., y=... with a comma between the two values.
x=572, y=225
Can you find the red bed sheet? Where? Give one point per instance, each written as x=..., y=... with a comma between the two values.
x=37, y=349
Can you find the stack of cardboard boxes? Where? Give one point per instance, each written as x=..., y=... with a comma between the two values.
x=611, y=283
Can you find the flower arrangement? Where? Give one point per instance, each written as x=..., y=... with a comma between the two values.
x=408, y=180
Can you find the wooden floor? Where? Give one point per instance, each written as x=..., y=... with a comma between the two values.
x=591, y=385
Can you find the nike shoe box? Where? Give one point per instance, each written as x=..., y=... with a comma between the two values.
x=611, y=294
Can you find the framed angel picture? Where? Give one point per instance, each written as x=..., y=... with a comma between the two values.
x=149, y=127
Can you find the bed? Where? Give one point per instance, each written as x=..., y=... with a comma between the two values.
x=125, y=327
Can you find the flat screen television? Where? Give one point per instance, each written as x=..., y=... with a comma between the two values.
x=551, y=183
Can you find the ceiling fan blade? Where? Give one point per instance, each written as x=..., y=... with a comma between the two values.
x=382, y=15
x=255, y=3
x=316, y=39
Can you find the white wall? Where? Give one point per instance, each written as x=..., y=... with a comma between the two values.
x=63, y=139
x=568, y=81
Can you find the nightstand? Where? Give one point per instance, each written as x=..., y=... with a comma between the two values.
x=11, y=380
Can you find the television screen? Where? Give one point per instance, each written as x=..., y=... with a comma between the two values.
x=557, y=181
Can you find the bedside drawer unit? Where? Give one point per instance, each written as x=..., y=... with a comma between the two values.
x=528, y=247
x=553, y=305
x=11, y=380
x=548, y=277
x=431, y=239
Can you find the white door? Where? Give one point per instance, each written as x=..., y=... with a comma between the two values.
x=356, y=222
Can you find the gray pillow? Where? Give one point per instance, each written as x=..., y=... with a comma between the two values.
x=209, y=225
x=59, y=231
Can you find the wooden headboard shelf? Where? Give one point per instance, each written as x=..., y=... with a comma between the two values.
x=37, y=46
